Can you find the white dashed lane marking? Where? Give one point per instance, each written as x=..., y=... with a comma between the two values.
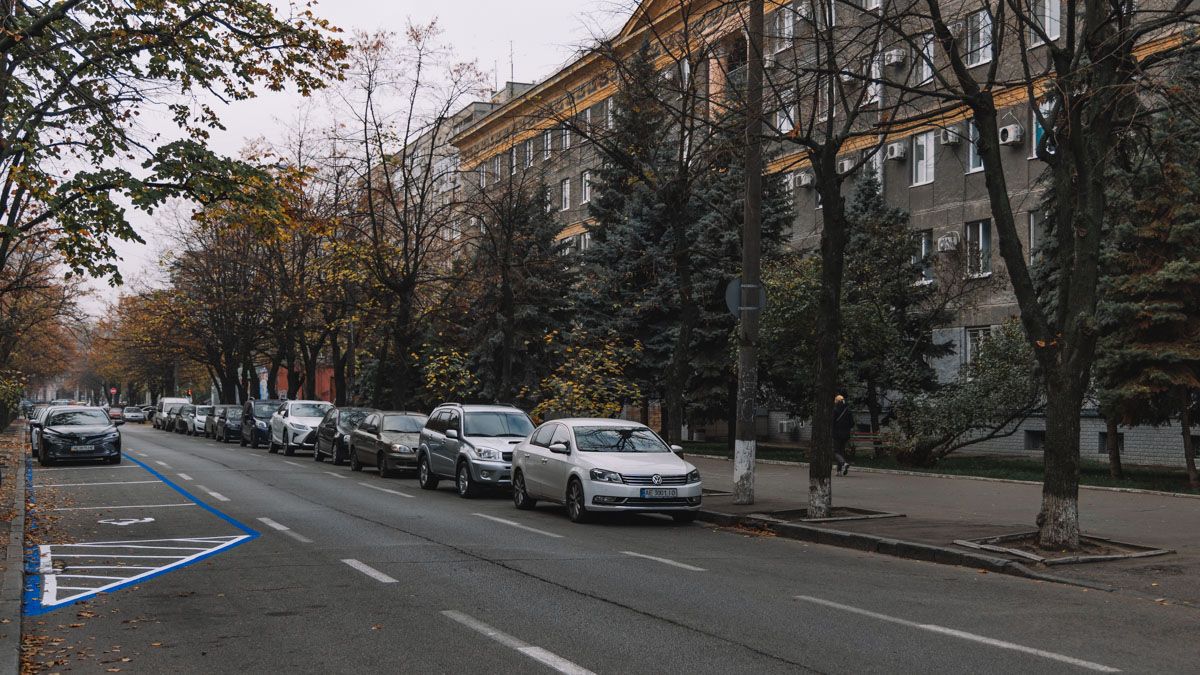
x=215, y=495
x=512, y=523
x=665, y=561
x=390, y=492
x=369, y=571
x=184, y=476
x=285, y=529
x=546, y=658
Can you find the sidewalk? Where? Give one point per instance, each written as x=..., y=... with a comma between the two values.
x=940, y=509
x=12, y=533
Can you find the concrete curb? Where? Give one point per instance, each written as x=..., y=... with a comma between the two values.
x=984, y=479
x=899, y=548
x=14, y=574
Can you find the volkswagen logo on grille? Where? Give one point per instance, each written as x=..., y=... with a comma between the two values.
x=656, y=479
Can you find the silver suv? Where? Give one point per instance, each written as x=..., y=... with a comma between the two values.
x=472, y=444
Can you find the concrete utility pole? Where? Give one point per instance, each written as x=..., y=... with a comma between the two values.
x=744, y=447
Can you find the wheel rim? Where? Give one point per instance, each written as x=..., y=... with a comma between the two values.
x=423, y=471
x=519, y=490
x=575, y=501
x=462, y=480
x=382, y=466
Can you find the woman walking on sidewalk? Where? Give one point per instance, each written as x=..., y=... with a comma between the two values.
x=843, y=424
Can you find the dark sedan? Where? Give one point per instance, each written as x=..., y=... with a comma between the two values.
x=225, y=424
x=333, y=433
x=79, y=433
x=387, y=440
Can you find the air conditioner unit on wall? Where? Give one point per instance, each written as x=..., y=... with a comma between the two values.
x=1010, y=135
x=950, y=136
x=845, y=166
x=947, y=242
x=804, y=179
x=895, y=151
x=894, y=57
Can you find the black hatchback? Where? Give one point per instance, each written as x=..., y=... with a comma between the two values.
x=333, y=433
x=256, y=422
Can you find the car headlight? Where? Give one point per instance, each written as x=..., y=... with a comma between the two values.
x=401, y=448
x=297, y=427
x=112, y=435
x=694, y=476
x=487, y=453
x=606, y=476
x=260, y=424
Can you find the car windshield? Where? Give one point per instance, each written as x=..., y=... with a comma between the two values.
x=233, y=413
x=351, y=418
x=133, y=410
x=497, y=424
x=78, y=418
x=618, y=439
x=309, y=410
x=265, y=409
x=410, y=424
x=172, y=410
x=204, y=410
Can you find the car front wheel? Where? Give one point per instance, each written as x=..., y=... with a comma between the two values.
x=288, y=448
x=317, y=456
x=467, y=489
x=384, y=471
x=576, y=503
x=355, y=465
x=521, y=498
x=336, y=455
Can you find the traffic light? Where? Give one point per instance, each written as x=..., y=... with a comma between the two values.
x=189, y=393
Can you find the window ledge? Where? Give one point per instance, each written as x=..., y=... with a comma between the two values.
x=971, y=171
x=978, y=275
x=928, y=182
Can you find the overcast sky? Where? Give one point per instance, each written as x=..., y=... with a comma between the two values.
x=544, y=34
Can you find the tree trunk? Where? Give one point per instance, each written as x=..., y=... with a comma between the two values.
x=1058, y=521
x=732, y=416
x=1113, y=447
x=874, y=410
x=1189, y=448
x=273, y=379
x=339, y=371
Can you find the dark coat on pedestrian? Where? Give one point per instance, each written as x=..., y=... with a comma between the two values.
x=843, y=421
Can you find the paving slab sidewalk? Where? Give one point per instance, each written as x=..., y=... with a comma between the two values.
x=12, y=558
x=940, y=509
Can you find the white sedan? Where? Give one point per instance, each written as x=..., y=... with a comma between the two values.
x=293, y=423
x=595, y=465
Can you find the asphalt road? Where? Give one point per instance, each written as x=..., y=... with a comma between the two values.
x=288, y=565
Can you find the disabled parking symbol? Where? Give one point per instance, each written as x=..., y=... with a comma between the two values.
x=122, y=522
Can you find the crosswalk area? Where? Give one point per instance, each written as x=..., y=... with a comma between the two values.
x=114, y=527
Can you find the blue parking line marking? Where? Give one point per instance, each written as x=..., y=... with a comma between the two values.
x=37, y=588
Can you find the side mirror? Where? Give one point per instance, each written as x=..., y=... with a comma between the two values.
x=676, y=449
x=283, y=414
x=560, y=448
x=452, y=433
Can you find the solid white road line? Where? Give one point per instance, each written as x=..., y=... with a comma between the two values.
x=139, y=506
x=88, y=468
x=162, y=464
x=286, y=530
x=290, y=462
x=390, y=492
x=546, y=658
x=933, y=628
x=215, y=495
x=513, y=523
x=369, y=571
x=184, y=476
x=665, y=561
x=118, y=482
x=335, y=475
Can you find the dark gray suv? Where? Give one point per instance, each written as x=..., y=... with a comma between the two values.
x=471, y=444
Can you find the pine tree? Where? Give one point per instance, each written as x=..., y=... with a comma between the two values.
x=1148, y=367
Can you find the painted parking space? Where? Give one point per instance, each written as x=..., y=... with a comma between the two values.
x=99, y=530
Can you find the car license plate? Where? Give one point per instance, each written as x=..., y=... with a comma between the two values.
x=82, y=448
x=653, y=493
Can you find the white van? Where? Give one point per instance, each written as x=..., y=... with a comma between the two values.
x=164, y=404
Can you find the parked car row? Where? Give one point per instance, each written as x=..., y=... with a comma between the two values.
x=588, y=465
x=68, y=432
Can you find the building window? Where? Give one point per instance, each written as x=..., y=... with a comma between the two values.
x=1042, y=112
x=587, y=186
x=529, y=153
x=831, y=13
x=1046, y=19
x=922, y=161
x=496, y=169
x=482, y=174
x=587, y=118
x=512, y=161
x=976, y=336
x=876, y=164
x=585, y=241
x=923, y=256
x=547, y=144
x=564, y=189
x=1037, y=234
x=547, y=197
x=924, y=62
x=974, y=159
x=789, y=187
x=784, y=24
x=979, y=38
x=566, y=138
x=875, y=79
x=979, y=247
x=1103, y=447
x=785, y=117
x=872, y=4
x=826, y=107
x=1035, y=440
x=609, y=106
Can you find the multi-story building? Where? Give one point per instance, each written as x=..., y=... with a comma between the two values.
x=929, y=165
